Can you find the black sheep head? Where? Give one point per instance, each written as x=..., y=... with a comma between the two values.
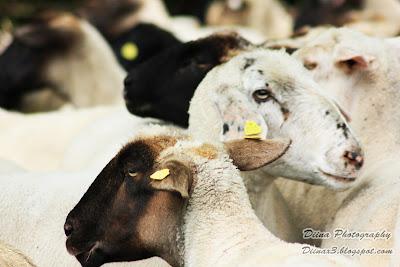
x=163, y=86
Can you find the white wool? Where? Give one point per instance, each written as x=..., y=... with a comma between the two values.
x=377, y=18
x=10, y=257
x=189, y=29
x=221, y=229
x=7, y=166
x=89, y=74
x=371, y=100
x=102, y=139
x=39, y=141
x=268, y=17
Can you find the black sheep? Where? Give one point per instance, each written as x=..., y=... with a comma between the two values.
x=163, y=86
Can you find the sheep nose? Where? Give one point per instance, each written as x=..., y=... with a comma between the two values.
x=354, y=158
x=68, y=228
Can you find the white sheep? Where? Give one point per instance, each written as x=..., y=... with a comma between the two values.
x=89, y=75
x=10, y=257
x=197, y=215
x=267, y=16
x=377, y=18
x=274, y=90
x=361, y=74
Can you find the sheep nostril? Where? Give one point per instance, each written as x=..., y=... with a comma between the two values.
x=68, y=229
x=354, y=158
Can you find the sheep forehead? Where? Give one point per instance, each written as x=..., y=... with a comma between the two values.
x=343, y=38
x=192, y=150
x=155, y=144
x=261, y=67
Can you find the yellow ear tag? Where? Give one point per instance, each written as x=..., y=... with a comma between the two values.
x=160, y=175
x=252, y=130
x=129, y=51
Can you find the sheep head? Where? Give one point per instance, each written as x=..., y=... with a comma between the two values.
x=135, y=207
x=273, y=90
x=178, y=71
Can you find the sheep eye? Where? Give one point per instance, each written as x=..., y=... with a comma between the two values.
x=132, y=173
x=261, y=95
x=310, y=65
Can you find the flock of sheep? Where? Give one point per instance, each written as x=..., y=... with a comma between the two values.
x=133, y=138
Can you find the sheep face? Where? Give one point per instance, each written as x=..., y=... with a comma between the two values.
x=273, y=90
x=178, y=70
x=126, y=216
x=122, y=216
x=347, y=64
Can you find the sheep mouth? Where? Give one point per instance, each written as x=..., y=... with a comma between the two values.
x=338, y=178
x=91, y=258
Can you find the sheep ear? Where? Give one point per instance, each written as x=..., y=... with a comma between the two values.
x=249, y=155
x=352, y=60
x=178, y=179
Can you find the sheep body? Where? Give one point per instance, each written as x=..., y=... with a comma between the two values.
x=10, y=257
x=38, y=141
x=245, y=241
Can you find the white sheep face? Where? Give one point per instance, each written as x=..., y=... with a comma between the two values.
x=346, y=64
x=274, y=90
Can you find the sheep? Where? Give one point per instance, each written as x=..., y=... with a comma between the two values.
x=85, y=155
x=168, y=96
x=74, y=124
x=81, y=151
x=39, y=141
x=34, y=207
x=268, y=17
x=9, y=257
x=377, y=18
x=113, y=18
x=62, y=52
x=353, y=67
x=197, y=214
x=272, y=89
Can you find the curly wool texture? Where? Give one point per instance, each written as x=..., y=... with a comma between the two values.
x=219, y=201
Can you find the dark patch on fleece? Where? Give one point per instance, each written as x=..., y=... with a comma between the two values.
x=248, y=62
x=344, y=129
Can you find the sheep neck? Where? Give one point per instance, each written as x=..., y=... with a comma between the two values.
x=377, y=119
x=219, y=217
